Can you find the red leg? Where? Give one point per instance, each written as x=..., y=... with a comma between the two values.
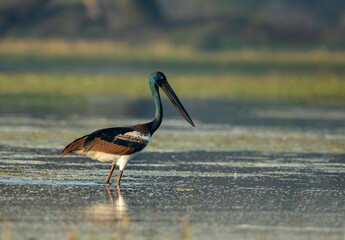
x=110, y=173
x=119, y=177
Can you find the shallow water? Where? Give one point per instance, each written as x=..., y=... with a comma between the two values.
x=247, y=171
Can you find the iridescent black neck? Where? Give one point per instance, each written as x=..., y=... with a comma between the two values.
x=156, y=122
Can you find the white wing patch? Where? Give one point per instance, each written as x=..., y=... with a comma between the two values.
x=137, y=136
x=140, y=135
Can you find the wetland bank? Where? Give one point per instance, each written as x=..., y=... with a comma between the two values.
x=265, y=161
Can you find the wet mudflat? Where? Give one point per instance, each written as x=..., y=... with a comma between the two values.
x=270, y=171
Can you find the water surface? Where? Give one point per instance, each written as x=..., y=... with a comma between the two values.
x=249, y=170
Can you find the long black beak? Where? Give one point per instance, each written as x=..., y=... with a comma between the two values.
x=176, y=102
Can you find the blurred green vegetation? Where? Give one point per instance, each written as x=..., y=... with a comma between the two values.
x=207, y=25
x=305, y=87
x=316, y=75
x=286, y=49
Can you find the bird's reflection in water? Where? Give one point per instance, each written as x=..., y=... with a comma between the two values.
x=112, y=216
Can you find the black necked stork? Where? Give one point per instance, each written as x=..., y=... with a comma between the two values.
x=120, y=144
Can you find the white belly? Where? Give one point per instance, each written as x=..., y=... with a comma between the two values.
x=120, y=160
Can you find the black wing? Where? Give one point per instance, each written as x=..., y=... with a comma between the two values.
x=114, y=141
